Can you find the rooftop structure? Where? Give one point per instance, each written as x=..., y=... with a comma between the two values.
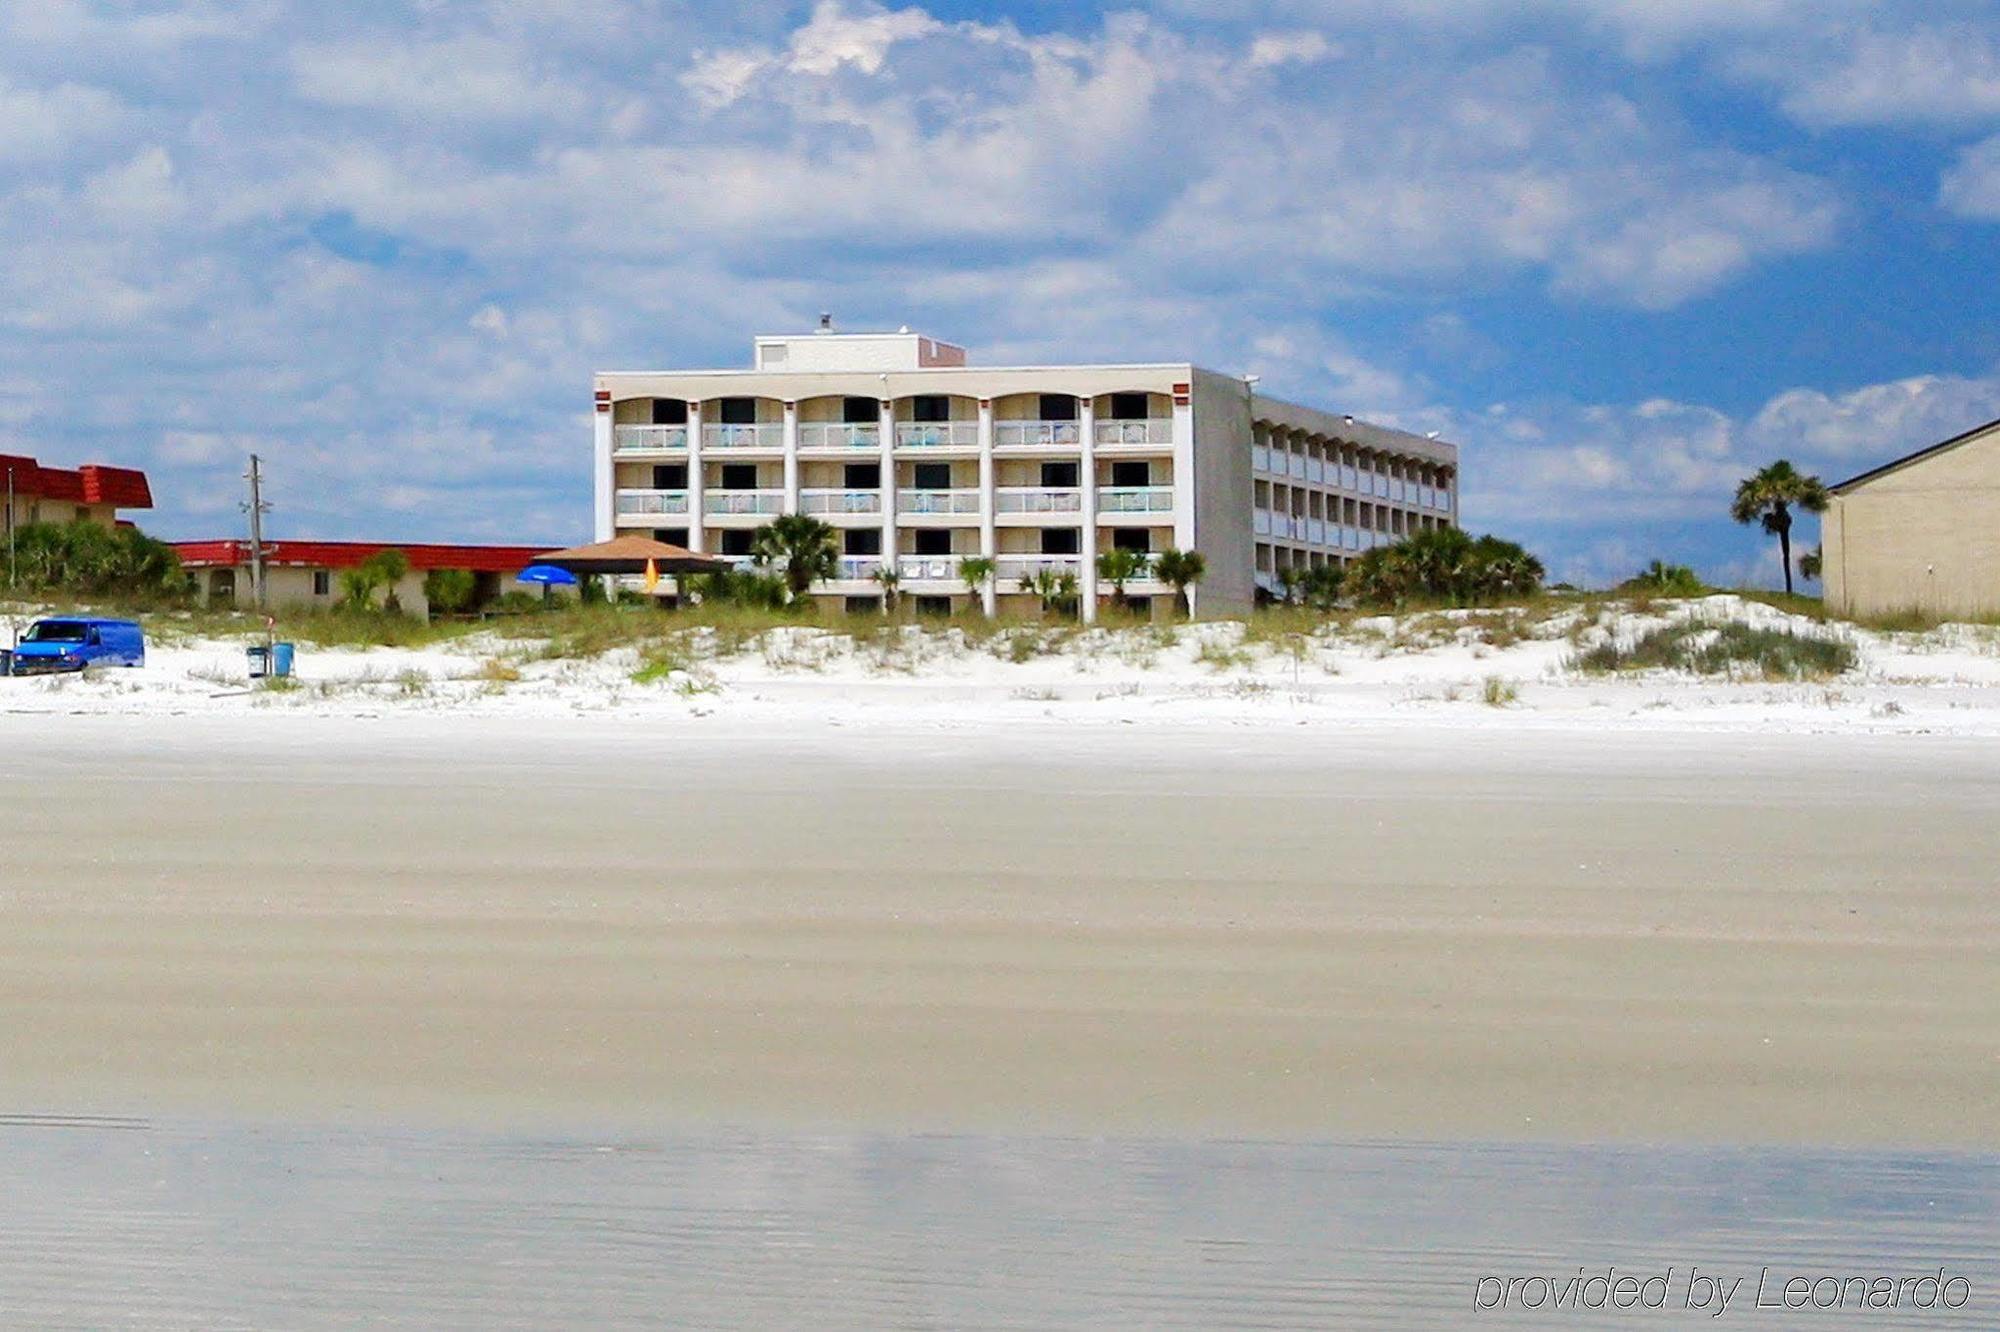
x=91, y=493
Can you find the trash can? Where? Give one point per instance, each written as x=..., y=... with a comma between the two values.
x=281, y=660
x=260, y=662
x=6, y=661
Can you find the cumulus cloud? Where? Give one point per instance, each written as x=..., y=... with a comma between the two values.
x=1971, y=187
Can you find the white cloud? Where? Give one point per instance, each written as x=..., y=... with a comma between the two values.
x=467, y=77
x=834, y=37
x=1971, y=188
x=45, y=123
x=1290, y=48
x=1868, y=76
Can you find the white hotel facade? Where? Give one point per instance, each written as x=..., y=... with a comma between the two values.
x=919, y=459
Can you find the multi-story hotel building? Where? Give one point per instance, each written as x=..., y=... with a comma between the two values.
x=922, y=460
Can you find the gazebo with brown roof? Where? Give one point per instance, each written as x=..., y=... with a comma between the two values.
x=631, y=555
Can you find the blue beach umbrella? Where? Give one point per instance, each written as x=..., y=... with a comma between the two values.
x=547, y=575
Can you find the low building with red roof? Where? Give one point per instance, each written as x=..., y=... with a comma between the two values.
x=92, y=493
x=307, y=573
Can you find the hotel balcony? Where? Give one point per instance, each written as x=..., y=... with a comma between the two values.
x=1037, y=436
x=1015, y=569
x=766, y=436
x=938, y=437
x=839, y=503
x=928, y=569
x=937, y=503
x=1018, y=502
x=642, y=506
x=649, y=439
x=1152, y=435
x=744, y=504
x=857, y=568
x=835, y=438
x=1135, y=504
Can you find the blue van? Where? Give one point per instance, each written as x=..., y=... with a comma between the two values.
x=74, y=642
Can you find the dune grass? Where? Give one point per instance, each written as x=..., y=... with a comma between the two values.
x=1727, y=648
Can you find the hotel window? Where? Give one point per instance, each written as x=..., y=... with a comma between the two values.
x=1131, y=538
x=322, y=582
x=862, y=476
x=933, y=605
x=739, y=476
x=862, y=541
x=736, y=540
x=1058, y=407
x=672, y=536
x=739, y=411
x=1060, y=540
x=933, y=476
x=670, y=476
x=933, y=540
x=860, y=411
x=1131, y=474
x=930, y=407
x=1128, y=406
x=1059, y=475
x=670, y=411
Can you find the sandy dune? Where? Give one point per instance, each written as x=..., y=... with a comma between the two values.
x=1237, y=929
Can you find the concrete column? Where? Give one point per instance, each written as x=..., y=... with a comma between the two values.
x=1086, y=422
x=989, y=541
x=604, y=473
x=697, y=492
x=792, y=457
x=1184, y=478
x=888, y=425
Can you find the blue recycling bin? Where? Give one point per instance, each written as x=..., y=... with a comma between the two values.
x=281, y=659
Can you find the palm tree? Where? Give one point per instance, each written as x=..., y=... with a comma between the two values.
x=1183, y=569
x=1769, y=497
x=806, y=548
x=1812, y=564
x=890, y=580
x=1055, y=589
x=1119, y=566
x=1321, y=585
x=977, y=571
x=1291, y=581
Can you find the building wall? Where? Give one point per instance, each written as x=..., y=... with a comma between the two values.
x=287, y=587
x=34, y=509
x=1222, y=496
x=1924, y=537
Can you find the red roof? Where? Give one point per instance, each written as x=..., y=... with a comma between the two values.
x=348, y=554
x=123, y=487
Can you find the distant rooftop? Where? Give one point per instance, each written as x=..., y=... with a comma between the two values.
x=828, y=350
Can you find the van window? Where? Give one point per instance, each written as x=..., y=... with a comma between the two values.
x=55, y=631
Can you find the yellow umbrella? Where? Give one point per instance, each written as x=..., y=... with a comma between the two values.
x=652, y=575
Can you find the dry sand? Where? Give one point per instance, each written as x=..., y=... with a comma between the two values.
x=1287, y=930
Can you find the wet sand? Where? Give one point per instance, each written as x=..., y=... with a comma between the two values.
x=1289, y=931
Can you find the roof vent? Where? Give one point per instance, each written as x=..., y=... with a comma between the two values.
x=825, y=322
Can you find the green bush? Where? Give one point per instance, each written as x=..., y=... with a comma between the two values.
x=1444, y=566
x=94, y=560
x=1664, y=580
x=450, y=591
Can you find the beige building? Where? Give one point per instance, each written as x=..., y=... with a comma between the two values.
x=1919, y=534
x=922, y=459
x=31, y=493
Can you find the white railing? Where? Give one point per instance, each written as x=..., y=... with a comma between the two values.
x=648, y=438
x=743, y=502
x=1295, y=466
x=1155, y=430
x=840, y=501
x=937, y=435
x=839, y=435
x=927, y=568
x=859, y=568
x=937, y=501
x=1016, y=568
x=764, y=435
x=1260, y=522
x=648, y=502
x=1135, y=499
x=1036, y=435
x=1037, y=499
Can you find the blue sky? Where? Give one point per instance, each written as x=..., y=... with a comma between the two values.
x=1622, y=251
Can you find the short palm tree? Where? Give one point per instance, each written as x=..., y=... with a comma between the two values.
x=890, y=580
x=1183, y=569
x=1322, y=584
x=1769, y=498
x=977, y=571
x=1291, y=582
x=1055, y=589
x=1812, y=564
x=806, y=549
x=1119, y=566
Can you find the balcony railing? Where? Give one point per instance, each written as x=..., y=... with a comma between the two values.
x=664, y=503
x=839, y=435
x=764, y=435
x=743, y=502
x=1135, y=499
x=937, y=435
x=648, y=438
x=1036, y=434
x=1016, y=568
x=928, y=568
x=840, y=501
x=1156, y=430
x=859, y=568
x=1037, y=499
x=937, y=501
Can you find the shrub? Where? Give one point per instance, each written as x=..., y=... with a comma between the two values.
x=94, y=560
x=1444, y=565
x=1664, y=580
x=450, y=591
x=1774, y=654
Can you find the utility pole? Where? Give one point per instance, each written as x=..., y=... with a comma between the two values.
x=257, y=508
